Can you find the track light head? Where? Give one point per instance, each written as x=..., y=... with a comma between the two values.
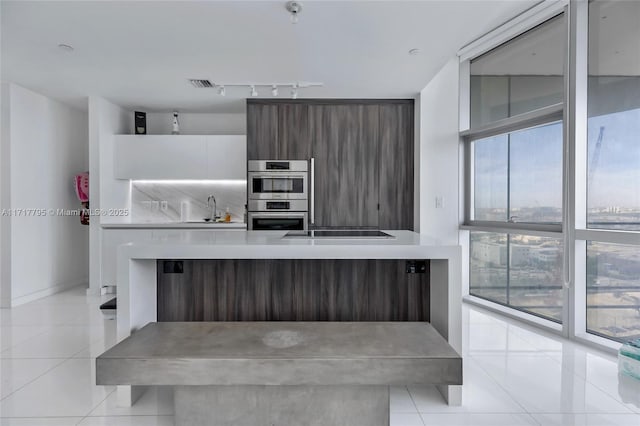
x=274, y=90
x=254, y=92
x=294, y=91
x=294, y=8
x=221, y=91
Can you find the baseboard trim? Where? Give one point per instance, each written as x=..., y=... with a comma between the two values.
x=46, y=292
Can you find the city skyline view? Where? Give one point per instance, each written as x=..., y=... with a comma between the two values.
x=519, y=175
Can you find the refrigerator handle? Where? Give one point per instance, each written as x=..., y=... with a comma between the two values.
x=312, y=192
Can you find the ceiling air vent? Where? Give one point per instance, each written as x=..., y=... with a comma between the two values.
x=201, y=84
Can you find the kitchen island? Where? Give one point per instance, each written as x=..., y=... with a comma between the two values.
x=137, y=271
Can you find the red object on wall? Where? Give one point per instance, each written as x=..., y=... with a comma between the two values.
x=81, y=186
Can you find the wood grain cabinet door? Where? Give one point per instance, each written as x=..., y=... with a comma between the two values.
x=262, y=131
x=396, y=166
x=345, y=145
x=294, y=132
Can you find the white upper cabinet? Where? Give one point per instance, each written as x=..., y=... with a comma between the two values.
x=180, y=157
x=226, y=156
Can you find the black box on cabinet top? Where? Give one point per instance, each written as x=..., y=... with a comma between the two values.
x=140, y=119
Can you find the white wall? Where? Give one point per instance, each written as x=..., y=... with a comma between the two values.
x=106, y=192
x=114, y=193
x=5, y=198
x=197, y=123
x=439, y=154
x=47, y=146
x=105, y=120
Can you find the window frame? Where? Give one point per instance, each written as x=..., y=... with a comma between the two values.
x=574, y=230
x=532, y=18
x=536, y=118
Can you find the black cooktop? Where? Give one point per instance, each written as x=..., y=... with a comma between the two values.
x=342, y=233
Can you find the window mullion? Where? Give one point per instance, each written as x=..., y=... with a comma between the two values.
x=508, y=270
x=509, y=177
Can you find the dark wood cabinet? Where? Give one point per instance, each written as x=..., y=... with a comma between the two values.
x=262, y=131
x=363, y=151
x=186, y=287
x=294, y=132
x=278, y=131
x=345, y=149
x=396, y=166
x=293, y=290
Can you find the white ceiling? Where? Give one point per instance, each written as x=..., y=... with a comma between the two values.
x=139, y=54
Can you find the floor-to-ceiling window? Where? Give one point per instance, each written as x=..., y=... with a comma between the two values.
x=514, y=177
x=552, y=159
x=613, y=170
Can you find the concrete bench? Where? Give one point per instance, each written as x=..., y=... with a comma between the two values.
x=281, y=373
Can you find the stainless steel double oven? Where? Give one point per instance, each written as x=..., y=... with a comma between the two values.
x=278, y=195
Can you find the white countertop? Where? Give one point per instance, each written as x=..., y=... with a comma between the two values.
x=175, y=225
x=199, y=244
x=137, y=272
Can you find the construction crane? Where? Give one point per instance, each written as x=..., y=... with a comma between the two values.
x=595, y=158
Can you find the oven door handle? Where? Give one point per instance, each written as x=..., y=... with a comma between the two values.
x=279, y=175
x=267, y=215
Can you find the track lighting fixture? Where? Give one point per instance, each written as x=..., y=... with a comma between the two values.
x=294, y=8
x=253, y=87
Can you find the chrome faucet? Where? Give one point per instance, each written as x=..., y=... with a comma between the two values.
x=214, y=212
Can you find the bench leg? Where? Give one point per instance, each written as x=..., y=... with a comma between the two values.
x=281, y=405
x=128, y=395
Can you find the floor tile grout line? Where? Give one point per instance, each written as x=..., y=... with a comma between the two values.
x=37, y=417
x=28, y=338
x=91, y=342
x=497, y=383
x=96, y=406
x=146, y=415
x=475, y=413
x=514, y=413
x=62, y=361
x=413, y=400
x=535, y=421
x=422, y=419
x=615, y=398
x=545, y=354
x=601, y=389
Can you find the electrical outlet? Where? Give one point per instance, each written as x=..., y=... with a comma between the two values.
x=173, y=267
x=416, y=266
x=439, y=202
x=164, y=205
x=155, y=206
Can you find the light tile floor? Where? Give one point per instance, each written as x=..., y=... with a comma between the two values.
x=514, y=375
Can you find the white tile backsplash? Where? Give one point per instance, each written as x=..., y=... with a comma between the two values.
x=147, y=200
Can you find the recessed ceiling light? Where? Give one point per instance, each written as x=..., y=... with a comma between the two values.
x=414, y=52
x=65, y=47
